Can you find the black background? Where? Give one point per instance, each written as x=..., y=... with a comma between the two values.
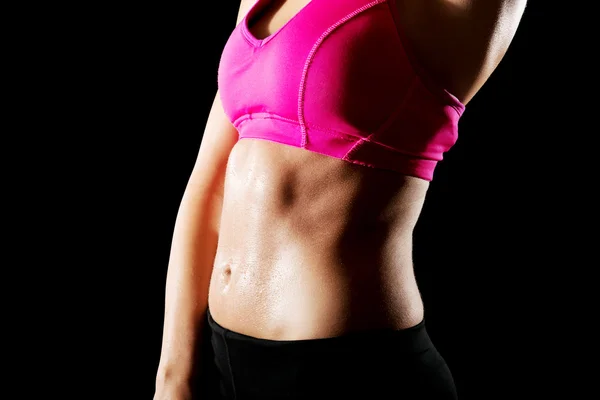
x=144, y=83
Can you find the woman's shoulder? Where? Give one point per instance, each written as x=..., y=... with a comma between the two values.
x=459, y=42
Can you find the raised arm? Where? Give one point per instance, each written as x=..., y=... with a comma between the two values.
x=460, y=42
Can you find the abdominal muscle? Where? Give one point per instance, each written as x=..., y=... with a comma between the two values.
x=311, y=246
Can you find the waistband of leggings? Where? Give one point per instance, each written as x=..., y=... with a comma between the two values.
x=413, y=339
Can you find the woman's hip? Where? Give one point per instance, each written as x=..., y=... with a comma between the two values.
x=377, y=362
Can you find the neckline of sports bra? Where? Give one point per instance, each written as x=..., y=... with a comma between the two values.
x=261, y=42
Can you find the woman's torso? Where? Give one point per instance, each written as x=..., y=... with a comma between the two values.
x=312, y=246
x=313, y=252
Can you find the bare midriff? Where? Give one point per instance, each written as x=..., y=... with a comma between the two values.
x=312, y=246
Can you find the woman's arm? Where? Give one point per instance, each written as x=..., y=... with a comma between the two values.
x=193, y=251
x=192, y=255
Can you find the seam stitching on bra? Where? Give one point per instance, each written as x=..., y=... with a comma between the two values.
x=391, y=118
x=346, y=136
x=310, y=58
x=261, y=115
x=267, y=115
x=339, y=134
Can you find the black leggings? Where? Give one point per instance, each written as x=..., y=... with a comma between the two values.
x=375, y=364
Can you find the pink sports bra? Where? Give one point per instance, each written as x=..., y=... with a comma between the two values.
x=338, y=80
